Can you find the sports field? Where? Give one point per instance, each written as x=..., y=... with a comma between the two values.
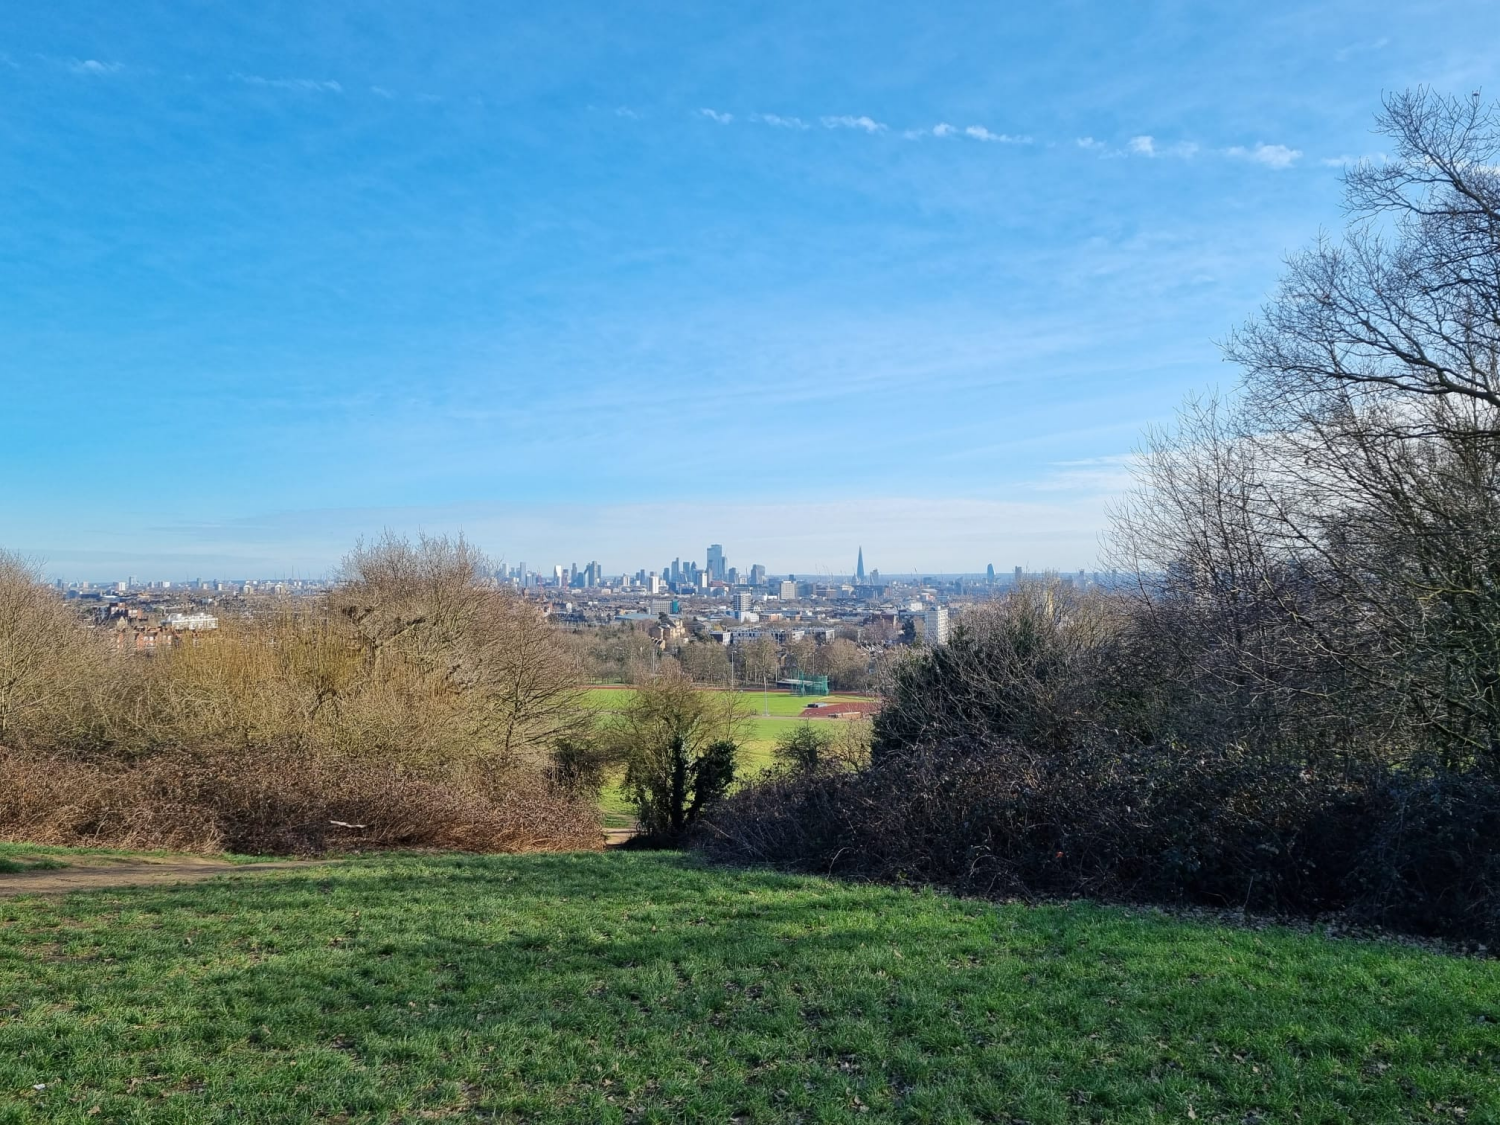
x=769, y=716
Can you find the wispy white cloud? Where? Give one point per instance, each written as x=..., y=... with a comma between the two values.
x=1344, y=161
x=845, y=121
x=382, y=92
x=303, y=85
x=715, y=115
x=779, y=121
x=626, y=112
x=1110, y=473
x=980, y=133
x=1343, y=54
x=1272, y=156
x=1148, y=146
x=1089, y=143
x=95, y=67
x=941, y=129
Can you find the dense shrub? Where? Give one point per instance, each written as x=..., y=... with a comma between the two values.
x=1028, y=758
x=1229, y=831
x=282, y=803
x=416, y=701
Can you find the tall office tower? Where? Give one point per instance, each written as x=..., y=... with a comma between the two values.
x=757, y=575
x=859, y=567
x=989, y=574
x=716, y=561
x=676, y=571
x=1018, y=575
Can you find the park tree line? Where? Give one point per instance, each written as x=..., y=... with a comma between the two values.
x=1297, y=705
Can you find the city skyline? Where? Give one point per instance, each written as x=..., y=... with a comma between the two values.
x=588, y=281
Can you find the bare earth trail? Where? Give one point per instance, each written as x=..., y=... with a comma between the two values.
x=103, y=872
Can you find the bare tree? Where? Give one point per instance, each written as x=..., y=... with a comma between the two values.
x=1373, y=391
x=1407, y=304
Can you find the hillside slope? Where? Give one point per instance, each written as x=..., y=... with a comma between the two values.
x=644, y=987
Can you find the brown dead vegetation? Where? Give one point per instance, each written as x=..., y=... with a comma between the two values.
x=415, y=702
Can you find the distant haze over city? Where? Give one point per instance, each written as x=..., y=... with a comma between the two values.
x=899, y=536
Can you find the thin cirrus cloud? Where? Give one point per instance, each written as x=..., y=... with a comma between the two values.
x=846, y=121
x=1275, y=156
x=303, y=85
x=980, y=133
x=779, y=121
x=95, y=67
x=1272, y=156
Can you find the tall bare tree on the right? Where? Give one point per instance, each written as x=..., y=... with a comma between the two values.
x=1361, y=516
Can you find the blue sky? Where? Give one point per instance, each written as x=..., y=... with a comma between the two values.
x=617, y=281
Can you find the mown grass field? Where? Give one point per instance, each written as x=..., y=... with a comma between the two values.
x=768, y=716
x=639, y=987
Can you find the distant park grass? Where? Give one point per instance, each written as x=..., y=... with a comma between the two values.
x=775, y=703
x=760, y=732
x=641, y=987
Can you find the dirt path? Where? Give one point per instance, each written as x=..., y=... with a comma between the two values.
x=89, y=873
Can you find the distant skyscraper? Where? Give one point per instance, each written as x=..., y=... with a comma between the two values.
x=859, y=567
x=989, y=573
x=716, y=561
x=936, y=632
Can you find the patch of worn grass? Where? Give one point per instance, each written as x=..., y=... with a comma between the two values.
x=639, y=987
x=13, y=851
x=18, y=864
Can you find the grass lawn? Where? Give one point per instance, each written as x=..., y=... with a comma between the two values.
x=778, y=704
x=760, y=732
x=637, y=987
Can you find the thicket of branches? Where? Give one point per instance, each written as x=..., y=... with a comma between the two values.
x=416, y=701
x=1298, y=704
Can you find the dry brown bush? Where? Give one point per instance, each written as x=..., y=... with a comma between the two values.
x=282, y=802
x=416, y=700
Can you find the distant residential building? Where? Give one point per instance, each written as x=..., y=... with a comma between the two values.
x=936, y=620
x=742, y=601
x=191, y=622
x=788, y=591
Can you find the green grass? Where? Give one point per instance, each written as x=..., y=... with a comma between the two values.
x=758, y=738
x=779, y=704
x=638, y=987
